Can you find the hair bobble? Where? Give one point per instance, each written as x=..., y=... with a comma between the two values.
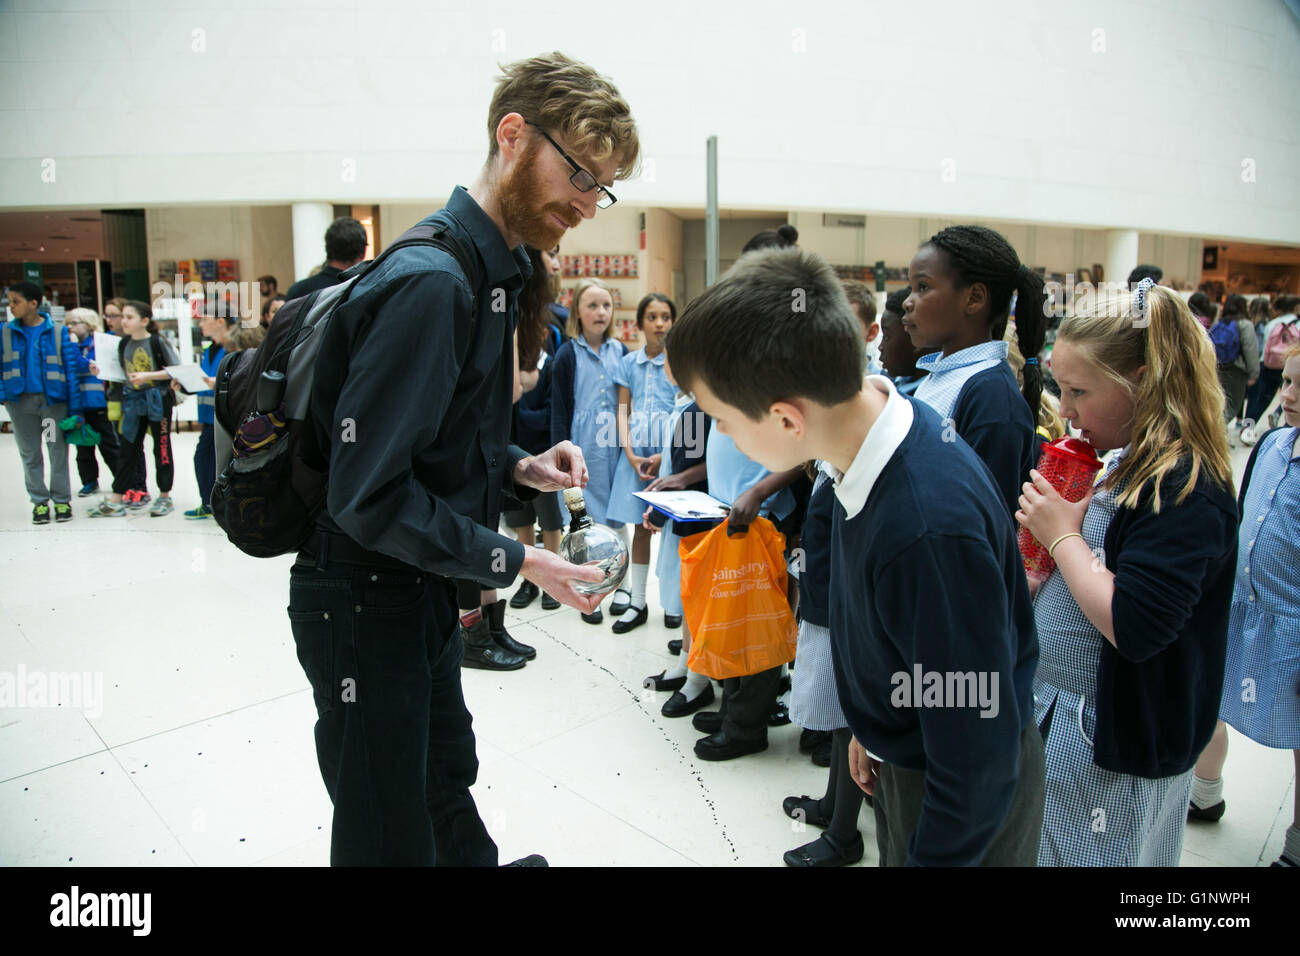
x=1140, y=296
x=1032, y=361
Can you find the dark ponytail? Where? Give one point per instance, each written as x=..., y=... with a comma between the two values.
x=978, y=254
x=781, y=238
x=1031, y=335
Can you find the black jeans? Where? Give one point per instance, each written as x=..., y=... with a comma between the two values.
x=205, y=464
x=87, y=465
x=380, y=643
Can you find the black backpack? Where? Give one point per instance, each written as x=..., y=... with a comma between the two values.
x=273, y=468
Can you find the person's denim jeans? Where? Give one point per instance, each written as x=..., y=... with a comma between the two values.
x=381, y=646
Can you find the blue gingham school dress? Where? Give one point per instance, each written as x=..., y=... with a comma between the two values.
x=1262, y=677
x=652, y=397
x=814, y=697
x=595, y=429
x=1093, y=816
x=669, y=567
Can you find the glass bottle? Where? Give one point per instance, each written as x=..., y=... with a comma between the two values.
x=592, y=544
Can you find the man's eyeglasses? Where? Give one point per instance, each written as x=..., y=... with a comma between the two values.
x=582, y=180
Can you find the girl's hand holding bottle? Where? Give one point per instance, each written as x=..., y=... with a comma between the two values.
x=1046, y=514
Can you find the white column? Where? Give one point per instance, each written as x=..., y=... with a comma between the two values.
x=1121, y=254
x=310, y=220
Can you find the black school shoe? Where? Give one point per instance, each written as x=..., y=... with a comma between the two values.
x=622, y=627
x=821, y=755
x=675, y=647
x=673, y=621
x=549, y=603
x=595, y=617
x=525, y=596
x=659, y=682
x=678, y=706
x=822, y=852
x=810, y=740
x=708, y=722
x=805, y=809
x=721, y=747
x=1206, y=814
x=622, y=601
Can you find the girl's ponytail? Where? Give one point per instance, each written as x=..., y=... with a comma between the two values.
x=1031, y=334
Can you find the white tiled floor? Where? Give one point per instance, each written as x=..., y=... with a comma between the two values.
x=201, y=749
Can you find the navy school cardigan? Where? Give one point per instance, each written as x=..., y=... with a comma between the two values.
x=563, y=401
x=1158, y=687
x=993, y=418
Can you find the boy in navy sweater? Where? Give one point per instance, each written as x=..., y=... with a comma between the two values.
x=931, y=622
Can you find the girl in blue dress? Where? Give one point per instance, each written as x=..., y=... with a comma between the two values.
x=584, y=397
x=645, y=405
x=1261, y=682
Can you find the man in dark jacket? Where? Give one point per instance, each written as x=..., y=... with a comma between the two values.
x=345, y=246
x=415, y=412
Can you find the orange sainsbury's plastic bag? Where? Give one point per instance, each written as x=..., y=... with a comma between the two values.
x=733, y=593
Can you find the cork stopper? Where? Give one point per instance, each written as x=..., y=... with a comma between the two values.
x=573, y=499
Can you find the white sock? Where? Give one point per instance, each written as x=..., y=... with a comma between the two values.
x=636, y=576
x=695, y=685
x=677, y=670
x=1206, y=793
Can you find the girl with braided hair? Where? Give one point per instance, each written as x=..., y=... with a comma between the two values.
x=962, y=282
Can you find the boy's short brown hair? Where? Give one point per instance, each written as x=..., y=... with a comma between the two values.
x=777, y=326
x=861, y=296
x=561, y=94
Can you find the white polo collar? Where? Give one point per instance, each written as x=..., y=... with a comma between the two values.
x=853, y=487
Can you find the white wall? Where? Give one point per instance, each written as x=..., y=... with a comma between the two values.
x=260, y=237
x=1100, y=114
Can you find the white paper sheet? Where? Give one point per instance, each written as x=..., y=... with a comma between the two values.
x=684, y=505
x=110, y=369
x=190, y=377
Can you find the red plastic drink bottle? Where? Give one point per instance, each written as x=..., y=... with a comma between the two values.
x=1071, y=465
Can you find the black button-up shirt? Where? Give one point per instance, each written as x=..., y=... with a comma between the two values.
x=416, y=410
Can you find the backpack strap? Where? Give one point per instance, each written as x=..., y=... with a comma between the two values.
x=421, y=234
x=441, y=237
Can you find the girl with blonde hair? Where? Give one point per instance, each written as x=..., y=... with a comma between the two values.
x=1132, y=623
x=584, y=401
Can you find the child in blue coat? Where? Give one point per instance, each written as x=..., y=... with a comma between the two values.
x=84, y=323
x=39, y=383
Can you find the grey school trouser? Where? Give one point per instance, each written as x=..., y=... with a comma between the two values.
x=897, y=805
x=30, y=416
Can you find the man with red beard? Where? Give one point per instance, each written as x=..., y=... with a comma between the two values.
x=413, y=402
